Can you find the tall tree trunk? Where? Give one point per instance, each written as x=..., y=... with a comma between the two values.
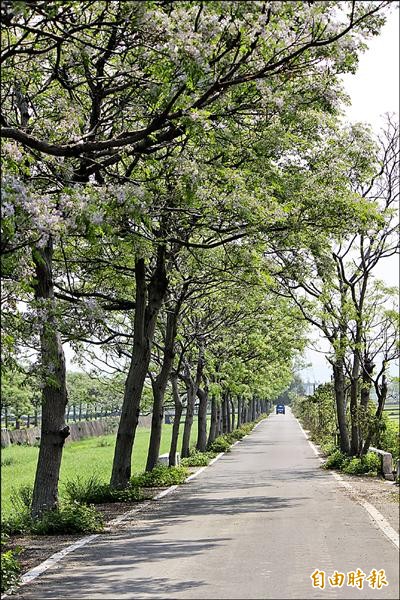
x=228, y=415
x=239, y=412
x=354, y=385
x=214, y=421
x=381, y=394
x=192, y=385
x=148, y=303
x=202, y=420
x=368, y=368
x=159, y=386
x=224, y=415
x=232, y=415
x=253, y=409
x=191, y=398
x=54, y=391
x=219, y=419
x=177, y=420
x=340, y=397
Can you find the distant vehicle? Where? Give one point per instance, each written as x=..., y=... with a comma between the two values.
x=280, y=409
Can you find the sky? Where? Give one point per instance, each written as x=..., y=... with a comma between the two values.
x=374, y=90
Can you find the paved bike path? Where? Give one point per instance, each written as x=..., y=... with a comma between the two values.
x=255, y=524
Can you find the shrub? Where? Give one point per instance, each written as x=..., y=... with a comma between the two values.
x=71, y=517
x=328, y=447
x=390, y=438
x=220, y=444
x=95, y=491
x=335, y=461
x=19, y=519
x=198, y=459
x=160, y=476
x=10, y=570
x=368, y=464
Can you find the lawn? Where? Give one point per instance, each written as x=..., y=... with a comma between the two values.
x=83, y=458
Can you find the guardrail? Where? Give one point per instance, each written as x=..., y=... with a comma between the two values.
x=386, y=462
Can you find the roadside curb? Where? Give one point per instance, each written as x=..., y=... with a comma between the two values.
x=373, y=512
x=35, y=572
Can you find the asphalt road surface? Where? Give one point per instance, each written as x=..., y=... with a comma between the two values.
x=255, y=524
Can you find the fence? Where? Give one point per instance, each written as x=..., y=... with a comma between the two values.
x=78, y=431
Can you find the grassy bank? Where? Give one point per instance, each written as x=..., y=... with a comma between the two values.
x=83, y=458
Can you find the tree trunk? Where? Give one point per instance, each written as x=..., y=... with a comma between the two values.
x=228, y=414
x=253, y=409
x=381, y=393
x=54, y=391
x=232, y=415
x=239, y=413
x=35, y=418
x=224, y=414
x=202, y=420
x=148, y=303
x=191, y=398
x=214, y=422
x=159, y=386
x=219, y=419
x=354, y=385
x=340, y=397
x=177, y=420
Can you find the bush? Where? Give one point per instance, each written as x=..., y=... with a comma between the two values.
x=19, y=519
x=336, y=460
x=160, y=476
x=220, y=444
x=368, y=464
x=198, y=459
x=71, y=517
x=390, y=438
x=95, y=491
x=328, y=447
x=10, y=570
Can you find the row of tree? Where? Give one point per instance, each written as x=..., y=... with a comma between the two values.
x=173, y=172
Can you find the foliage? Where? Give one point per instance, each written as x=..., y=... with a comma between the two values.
x=336, y=460
x=317, y=413
x=94, y=491
x=160, y=476
x=197, y=459
x=368, y=464
x=220, y=444
x=389, y=437
x=69, y=518
x=10, y=568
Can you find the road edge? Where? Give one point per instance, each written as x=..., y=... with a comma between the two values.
x=373, y=512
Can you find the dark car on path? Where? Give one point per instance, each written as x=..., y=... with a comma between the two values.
x=280, y=409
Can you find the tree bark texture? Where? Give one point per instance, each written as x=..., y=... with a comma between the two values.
x=212, y=434
x=177, y=420
x=159, y=386
x=340, y=397
x=54, y=391
x=148, y=303
x=202, y=420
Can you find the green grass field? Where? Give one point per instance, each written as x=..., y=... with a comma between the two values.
x=392, y=411
x=83, y=458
